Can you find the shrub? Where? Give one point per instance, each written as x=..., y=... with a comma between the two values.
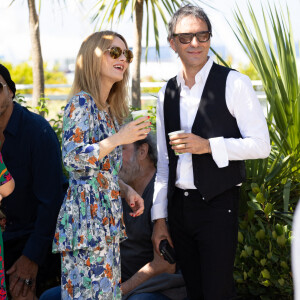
x=262, y=264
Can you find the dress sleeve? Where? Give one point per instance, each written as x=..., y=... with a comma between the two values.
x=79, y=149
x=4, y=174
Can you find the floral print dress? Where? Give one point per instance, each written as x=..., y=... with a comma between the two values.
x=4, y=178
x=90, y=224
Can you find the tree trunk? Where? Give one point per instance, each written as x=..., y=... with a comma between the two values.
x=137, y=52
x=36, y=53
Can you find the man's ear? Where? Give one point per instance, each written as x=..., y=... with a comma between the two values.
x=143, y=151
x=11, y=94
x=172, y=44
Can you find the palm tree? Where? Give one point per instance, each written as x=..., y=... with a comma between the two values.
x=106, y=12
x=36, y=53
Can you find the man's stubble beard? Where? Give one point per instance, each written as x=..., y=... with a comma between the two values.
x=3, y=107
x=132, y=170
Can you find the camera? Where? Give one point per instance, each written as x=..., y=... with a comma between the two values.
x=167, y=251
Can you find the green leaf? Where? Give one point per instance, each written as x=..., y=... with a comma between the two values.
x=286, y=195
x=248, y=249
x=281, y=281
x=260, y=198
x=265, y=273
x=268, y=209
x=281, y=240
x=263, y=261
x=240, y=237
x=260, y=235
x=219, y=58
x=255, y=188
x=254, y=205
x=279, y=229
x=284, y=265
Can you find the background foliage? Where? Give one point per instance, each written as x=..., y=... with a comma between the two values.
x=263, y=266
x=22, y=74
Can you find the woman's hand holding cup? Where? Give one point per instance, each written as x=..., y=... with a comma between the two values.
x=135, y=130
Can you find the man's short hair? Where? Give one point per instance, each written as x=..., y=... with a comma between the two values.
x=184, y=11
x=6, y=75
x=151, y=141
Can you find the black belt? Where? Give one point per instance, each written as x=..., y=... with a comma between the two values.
x=188, y=192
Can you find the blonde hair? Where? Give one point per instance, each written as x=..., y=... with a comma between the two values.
x=88, y=72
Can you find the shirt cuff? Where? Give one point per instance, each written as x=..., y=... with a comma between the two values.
x=159, y=211
x=36, y=249
x=219, y=151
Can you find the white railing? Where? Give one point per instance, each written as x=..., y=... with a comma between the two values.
x=145, y=96
x=259, y=89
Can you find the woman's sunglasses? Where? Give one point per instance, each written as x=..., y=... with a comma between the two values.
x=186, y=38
x=2, y=85
x=116, y=52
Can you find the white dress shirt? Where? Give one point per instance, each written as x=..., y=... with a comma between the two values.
x=243, y=105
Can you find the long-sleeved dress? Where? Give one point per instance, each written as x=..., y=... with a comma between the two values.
x=4, y=178
x=90, y=224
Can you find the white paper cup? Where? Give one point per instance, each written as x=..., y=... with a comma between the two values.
x=139, y=113
x=173, y=133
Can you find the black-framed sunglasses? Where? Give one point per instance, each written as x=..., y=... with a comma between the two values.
x=2, y=85
x=116, y=52
x=186, y=38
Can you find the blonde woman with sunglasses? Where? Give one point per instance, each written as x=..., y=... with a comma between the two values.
x=90, y=226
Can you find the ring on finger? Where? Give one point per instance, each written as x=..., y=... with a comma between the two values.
x=28, y=282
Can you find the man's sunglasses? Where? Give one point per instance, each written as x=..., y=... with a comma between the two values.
x=186, y=38
x=116, y=52
x=2, y=85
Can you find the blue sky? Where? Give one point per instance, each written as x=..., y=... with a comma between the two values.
x=63, y=28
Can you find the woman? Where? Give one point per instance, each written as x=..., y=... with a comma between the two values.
x=7, y=185
x=90, y=225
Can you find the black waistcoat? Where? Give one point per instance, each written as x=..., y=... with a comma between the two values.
x=213, y=119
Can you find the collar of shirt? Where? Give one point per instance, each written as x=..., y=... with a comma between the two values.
x=14, y=120
x=200, y=77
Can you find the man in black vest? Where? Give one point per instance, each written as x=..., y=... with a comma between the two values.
x=198, y=190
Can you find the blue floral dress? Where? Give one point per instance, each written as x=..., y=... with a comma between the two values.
x=90, y=224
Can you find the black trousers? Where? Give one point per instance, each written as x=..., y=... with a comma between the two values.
x=205, y=238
